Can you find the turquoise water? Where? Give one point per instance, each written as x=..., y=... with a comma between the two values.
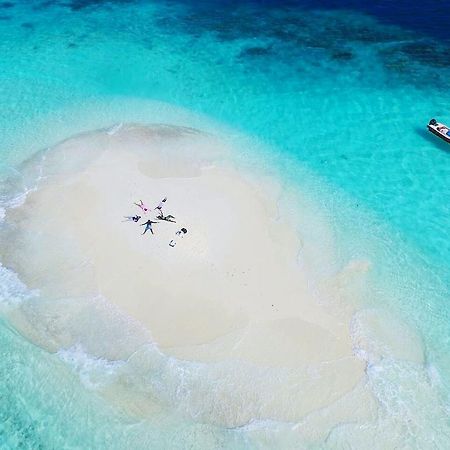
x=338, y=97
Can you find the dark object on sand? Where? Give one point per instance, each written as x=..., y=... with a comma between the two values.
x=179, y=233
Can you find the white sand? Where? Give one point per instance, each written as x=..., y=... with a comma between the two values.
x=231, y=289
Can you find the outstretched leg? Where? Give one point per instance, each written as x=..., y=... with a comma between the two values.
x=146, y=227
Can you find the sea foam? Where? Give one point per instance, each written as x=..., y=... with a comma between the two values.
x=94, y=372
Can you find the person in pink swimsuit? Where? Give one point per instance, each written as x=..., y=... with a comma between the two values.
x=142, y=206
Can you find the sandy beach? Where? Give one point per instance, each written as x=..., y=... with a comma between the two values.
x=230, y=290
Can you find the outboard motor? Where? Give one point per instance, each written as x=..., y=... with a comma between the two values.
x=433, y=122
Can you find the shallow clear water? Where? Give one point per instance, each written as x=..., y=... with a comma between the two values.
x=340, y=95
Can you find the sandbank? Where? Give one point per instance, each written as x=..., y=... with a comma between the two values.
x=231, y=290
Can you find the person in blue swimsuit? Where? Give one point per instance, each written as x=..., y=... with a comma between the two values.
x=148, y=226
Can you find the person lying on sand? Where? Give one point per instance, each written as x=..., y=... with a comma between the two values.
x=142, y=206
x=168, y=218
x=135, y=218
x=148, y=226
x=179, y=233
x=160, y=205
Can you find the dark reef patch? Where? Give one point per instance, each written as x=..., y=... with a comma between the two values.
x=255, y=51
x=6, y=5
x=425, y=17
x=43, y=5
x=400, y=65
x=427, y=53
x=342, y=55
x=403, y=57
x=365, y=34
x=299, y=33
x=77, y=5
x=284, y=24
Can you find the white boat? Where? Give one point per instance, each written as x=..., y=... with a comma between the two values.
x=440, y=130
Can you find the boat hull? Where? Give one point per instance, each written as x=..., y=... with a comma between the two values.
x=440, y=135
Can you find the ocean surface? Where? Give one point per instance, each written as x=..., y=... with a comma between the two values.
x=337, y=93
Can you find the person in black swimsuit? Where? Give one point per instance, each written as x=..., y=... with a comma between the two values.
x=168, y=218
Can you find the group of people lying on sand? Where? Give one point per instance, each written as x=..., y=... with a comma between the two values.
x=159, y=216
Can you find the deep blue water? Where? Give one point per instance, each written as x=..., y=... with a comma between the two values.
x=428, y=17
